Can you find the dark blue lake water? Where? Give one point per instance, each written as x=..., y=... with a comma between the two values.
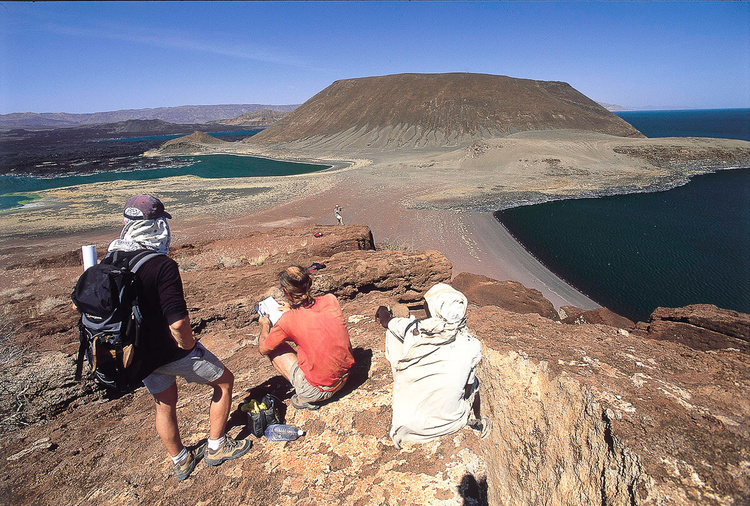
x=633, y=253
x=722, y=123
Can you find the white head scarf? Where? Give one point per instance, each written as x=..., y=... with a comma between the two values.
x=447, y=310
x=143, y=234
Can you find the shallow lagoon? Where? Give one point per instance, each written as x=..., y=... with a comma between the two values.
x=206, y=166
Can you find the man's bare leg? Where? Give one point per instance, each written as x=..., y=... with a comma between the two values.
x=221, y=404
x=283, y=359
x=166, y=420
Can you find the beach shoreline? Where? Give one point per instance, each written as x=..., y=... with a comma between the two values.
x=473, y=241
x=420, y=199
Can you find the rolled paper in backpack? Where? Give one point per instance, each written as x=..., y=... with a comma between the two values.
x=89, y=256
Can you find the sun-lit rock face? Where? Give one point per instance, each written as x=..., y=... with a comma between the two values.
x=589, y=414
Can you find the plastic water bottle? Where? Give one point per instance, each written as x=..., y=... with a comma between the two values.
x=279, y=432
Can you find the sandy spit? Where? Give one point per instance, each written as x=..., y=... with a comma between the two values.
x=439, y=199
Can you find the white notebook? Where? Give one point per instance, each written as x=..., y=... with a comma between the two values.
x=271, y=308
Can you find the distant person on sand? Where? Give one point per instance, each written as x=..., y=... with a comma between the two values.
x=337, y=213
x=169, y=341
x=320, y=366
x=433, y=361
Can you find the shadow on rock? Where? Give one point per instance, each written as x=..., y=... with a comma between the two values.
x=277, y=386
x=358, y=374
x=473, y=492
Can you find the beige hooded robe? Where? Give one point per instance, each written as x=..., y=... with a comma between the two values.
x=433, y=370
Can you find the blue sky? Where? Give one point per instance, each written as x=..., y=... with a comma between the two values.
x=101, y=56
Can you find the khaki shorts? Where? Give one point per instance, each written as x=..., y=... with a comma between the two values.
x=199, y=366
x=307, y=392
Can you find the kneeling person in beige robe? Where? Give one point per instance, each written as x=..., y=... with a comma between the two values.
x=433, y=362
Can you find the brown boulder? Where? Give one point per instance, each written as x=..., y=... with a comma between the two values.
x=570, y=312
x=406, y=275
x=510, y=295
x=702, y=327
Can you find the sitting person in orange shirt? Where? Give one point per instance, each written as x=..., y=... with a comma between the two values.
x=320, y=366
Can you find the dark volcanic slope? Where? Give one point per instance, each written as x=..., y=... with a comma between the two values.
x=189, y=143
x=427, y=110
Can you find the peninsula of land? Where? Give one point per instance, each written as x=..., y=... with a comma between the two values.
x=587, y=407
x=423, y=160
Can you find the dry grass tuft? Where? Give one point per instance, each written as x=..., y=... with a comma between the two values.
x=50, y=303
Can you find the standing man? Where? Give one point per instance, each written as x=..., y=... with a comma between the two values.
x=337, y=212
x=321, y=364
x=168, y=345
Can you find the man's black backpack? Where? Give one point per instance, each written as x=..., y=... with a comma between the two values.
x=106, y=297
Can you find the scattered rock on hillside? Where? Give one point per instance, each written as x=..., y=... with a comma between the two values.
x=582, y=414
x=108, y=452
x=510, y=295
x=602, y=315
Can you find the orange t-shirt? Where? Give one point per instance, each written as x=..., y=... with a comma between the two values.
x=324, y=351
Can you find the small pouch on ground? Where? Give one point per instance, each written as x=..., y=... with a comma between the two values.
x=262, y=414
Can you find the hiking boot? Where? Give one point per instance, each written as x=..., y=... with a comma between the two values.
x=303, y=405
x=182, y=471
x=229, y=450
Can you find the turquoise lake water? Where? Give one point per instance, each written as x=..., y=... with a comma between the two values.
x=633, y=253
x=136, y=168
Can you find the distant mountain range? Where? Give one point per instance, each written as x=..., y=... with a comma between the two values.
x=256, y=119
x=250, y=115
x=612, y=107
x=185, y=114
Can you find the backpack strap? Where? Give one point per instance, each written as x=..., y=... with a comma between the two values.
x=120, y=376
x=141, y=258
x=135, y=265
x=415, y=324
x=81, y=350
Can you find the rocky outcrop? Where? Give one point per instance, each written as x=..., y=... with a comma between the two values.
x=196, y=142
x=586, y=415
x=602, y=315
x=701, y=327
x=406, y=275
x=582, y=414
x=678, y=158
x=509, y=295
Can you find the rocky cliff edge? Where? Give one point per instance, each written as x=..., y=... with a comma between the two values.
x=583, y=413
